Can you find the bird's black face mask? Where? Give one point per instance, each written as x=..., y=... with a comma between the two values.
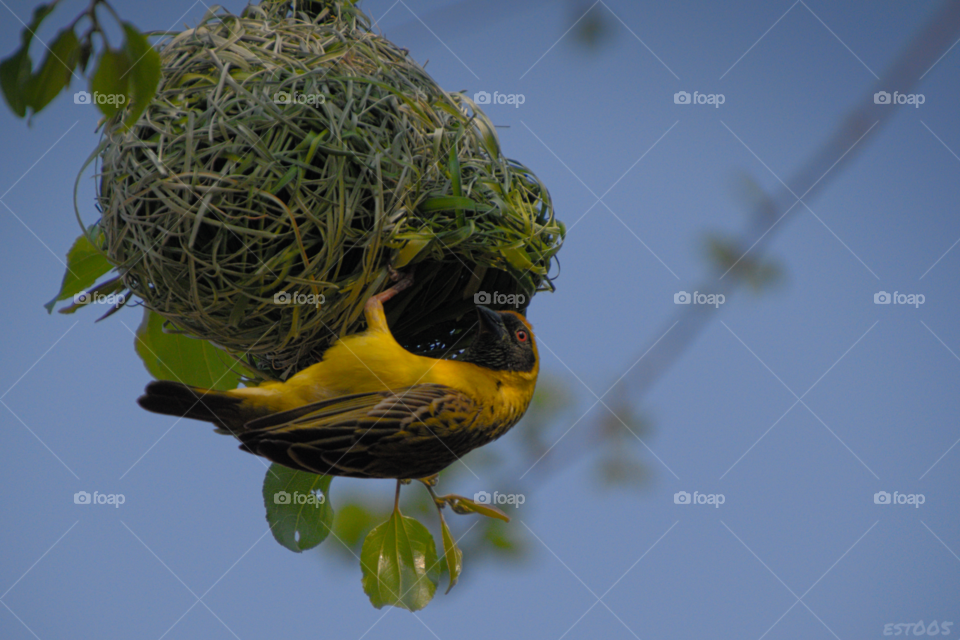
x=503, y=343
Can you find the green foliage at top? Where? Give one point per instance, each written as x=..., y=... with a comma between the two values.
x=125, y=78
x=17, y=79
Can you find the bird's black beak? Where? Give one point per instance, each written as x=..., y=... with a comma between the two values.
x=491, y=322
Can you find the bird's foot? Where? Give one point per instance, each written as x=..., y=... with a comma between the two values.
x=373, y=310
x=430, y=481
x=401, y=281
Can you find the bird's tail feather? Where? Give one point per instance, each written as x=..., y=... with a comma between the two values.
x=227, y=412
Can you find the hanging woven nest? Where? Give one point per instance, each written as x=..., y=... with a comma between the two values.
x=288, y=160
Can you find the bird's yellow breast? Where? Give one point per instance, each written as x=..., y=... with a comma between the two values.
x=374, y=361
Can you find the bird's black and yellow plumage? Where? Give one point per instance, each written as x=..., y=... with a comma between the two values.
x=370, y=408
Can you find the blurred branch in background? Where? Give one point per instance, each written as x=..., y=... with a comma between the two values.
x=738, y=259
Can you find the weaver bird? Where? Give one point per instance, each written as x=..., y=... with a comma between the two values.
x=372, y=409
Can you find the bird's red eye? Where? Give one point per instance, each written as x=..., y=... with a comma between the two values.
x=522, y=335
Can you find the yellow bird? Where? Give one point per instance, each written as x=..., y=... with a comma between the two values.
x=372, y=409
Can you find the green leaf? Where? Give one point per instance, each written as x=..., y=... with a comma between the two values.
x=291, y=173
x=298, y=507
x=144, y=73
x=411, y=249
x=173, y=356
x=110, y=83
x=103, y=289
x=41, y=12
x=728, y=257
x=84, y=265
x=464, y=506
x=14, y=72
x=452, y=554
x=354, y=521
x=517, y=258
x=458, y=235
x=15, y=69
x=503, y=540
x=453, y=165
x=399, y=564
x=55, y=72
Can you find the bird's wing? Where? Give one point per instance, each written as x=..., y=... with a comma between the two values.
x=405, y=433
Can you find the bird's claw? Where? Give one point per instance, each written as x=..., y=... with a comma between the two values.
x=401, y=281
x=430, y=481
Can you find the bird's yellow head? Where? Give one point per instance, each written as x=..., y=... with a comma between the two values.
x=504, y=343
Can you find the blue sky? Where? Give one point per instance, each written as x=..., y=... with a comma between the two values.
x=797, y=549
